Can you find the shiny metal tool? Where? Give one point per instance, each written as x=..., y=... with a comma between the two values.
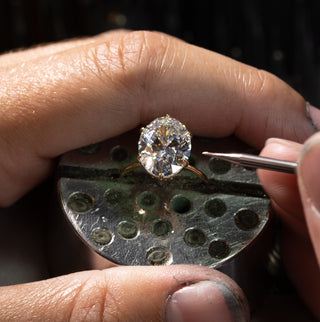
x=254, y=161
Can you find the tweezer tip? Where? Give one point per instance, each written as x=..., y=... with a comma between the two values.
x=214, y=154
x=210, y=154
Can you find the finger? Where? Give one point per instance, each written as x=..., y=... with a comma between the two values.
x=95, y=91
x=308, y=180
x=283, y=187
x=296, y=249
x=132, y=79
x=308, y=174
x=128, y=294
x=22, y=55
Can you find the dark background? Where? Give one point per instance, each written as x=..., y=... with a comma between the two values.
x=281, y=36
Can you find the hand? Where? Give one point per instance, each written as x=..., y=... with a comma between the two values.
x=63, y=96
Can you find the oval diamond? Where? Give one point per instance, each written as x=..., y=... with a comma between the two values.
x=164, y=147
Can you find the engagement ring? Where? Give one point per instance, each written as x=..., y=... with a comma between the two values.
x=164, y=148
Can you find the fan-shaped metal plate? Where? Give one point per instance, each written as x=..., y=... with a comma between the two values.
x=135, y=219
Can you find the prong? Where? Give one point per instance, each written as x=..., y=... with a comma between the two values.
x=198, y=172
x=142, y=129
x=185, y=163
x=130, y=166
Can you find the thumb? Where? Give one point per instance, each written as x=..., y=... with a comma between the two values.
x=172, y=293
x=309, y=184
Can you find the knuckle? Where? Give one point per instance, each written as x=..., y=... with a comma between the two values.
x=94, y=301
x=263, y=80
x=257, y=83
x=130, y=57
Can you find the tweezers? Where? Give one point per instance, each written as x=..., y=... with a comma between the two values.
x=257, y=162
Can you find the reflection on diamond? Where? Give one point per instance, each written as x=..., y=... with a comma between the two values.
x=164, y=147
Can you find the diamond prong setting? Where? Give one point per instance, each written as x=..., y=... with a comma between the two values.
x=164, y=147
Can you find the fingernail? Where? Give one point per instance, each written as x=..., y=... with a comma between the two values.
x=309, y=170
x=206, y=301
x=313, y=115
x=287, y=143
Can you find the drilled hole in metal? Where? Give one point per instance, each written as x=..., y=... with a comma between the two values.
x=161, y=228
x=180, y=204
x=80, y=202
x=119, y=153
x=247, y=219
x=148, y=200
x=219, y=249
x=101, y=236
x=127, y=229
x=219, y=166
x=194, y=237
x=159, y=256
x=215, y=207
x=113, y=197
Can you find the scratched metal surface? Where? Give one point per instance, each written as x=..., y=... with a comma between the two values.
x=134, y=219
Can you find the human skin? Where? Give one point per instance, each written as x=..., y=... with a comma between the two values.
x=63, y=96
